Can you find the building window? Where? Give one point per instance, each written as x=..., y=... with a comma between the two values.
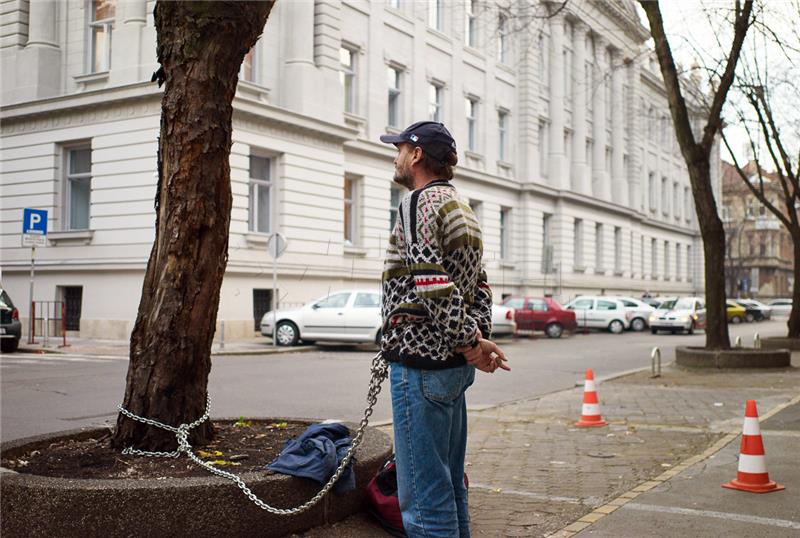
x=502, y=134
x=260, y=194
x=617, y=249
x=472, y=123
x=477, y=208
x=689, y=264
x=589, y=155
x=687, y=204
x=394, y=81
x=664, y=196
x=651, y=181
x=248, y=70
x=676, y=201
x=547, y=244
x=505, y=232
x=502, y=38
x=598, y=252
x=653, y=258
x=394, y=205
x=79, y=188
x=543, y=148
x=577, y=234
x=544, y=66
x=677, y=261
x=435, y=93
x=436, y=14
x=641, y=255
x=347, y=76
x=471, y=24
x=394, y=4
x=100, y=25
x=350, y=211
x=666, y=260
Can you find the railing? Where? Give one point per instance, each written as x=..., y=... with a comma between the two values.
x=51, y=319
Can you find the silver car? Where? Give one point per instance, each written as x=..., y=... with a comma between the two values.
x=678, y=315
x=640, y=312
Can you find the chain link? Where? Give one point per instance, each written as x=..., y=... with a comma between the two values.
x=379, y=370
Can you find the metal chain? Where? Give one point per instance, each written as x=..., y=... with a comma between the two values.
x=379, y=370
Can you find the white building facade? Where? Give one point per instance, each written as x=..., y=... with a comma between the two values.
x=566, y=150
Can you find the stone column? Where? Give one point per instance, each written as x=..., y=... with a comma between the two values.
x=600, y=184
x=38, y=69
x=298, y=90
x=126, y=40
x=581, y=175
x=619, y=181
x=556, y=155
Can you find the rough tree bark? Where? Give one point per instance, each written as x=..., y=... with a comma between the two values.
x=201, y=46
x=697, y=157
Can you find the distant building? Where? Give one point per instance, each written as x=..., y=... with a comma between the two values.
x=758, y=262
x=566, y=150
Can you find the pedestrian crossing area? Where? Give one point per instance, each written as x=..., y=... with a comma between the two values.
x=16, y=360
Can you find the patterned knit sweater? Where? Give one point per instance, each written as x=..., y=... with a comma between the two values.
x=435, y=293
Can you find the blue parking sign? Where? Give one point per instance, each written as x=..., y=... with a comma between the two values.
x=34, y=221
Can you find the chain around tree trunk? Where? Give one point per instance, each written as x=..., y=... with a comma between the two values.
x=379, y=369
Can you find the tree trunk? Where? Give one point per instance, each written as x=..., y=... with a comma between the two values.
x=794, y=318
x=713, y=234
x=201, y=46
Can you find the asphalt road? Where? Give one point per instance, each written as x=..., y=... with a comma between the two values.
x=46, y=393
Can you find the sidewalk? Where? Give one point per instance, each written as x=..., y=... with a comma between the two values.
x=672, y=441
x=258, y=345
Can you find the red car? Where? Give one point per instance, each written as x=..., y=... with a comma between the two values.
x=541, y=314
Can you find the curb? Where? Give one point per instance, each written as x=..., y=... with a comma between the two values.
x=601, y=511
x=215, y=353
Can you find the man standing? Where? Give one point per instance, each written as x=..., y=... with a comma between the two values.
x=436, y=309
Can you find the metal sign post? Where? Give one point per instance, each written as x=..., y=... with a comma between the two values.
x=34, y=233
x=276, y=246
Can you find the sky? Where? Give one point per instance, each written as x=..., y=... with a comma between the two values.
x=699, y=34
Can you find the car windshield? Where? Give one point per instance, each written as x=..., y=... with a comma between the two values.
x=667, y=305
x=5, y=300
x=683, y=304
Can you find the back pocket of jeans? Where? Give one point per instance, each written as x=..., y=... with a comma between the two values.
x=443, y=385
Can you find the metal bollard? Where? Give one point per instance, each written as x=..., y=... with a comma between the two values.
x=222, y=335
x=655, y=359
x=738, y=342
x=757, y=341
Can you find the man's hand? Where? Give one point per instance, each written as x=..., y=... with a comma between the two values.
x=486, y=356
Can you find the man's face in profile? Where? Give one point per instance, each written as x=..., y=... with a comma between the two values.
x=402, y=166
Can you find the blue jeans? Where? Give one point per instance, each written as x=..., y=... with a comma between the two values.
x=430, y=441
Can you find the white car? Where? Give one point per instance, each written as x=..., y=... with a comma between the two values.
x=781, y=307
x=600, y=312
x=343, y=316
x=640, y=312
x=349, y=316
x=681, y=314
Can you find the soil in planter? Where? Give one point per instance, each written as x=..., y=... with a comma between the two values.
x=244, y=446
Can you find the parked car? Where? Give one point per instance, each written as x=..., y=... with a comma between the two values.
x=542, y=314
x=344, y=316
x=348, y=316
x=652, y=301
x=640, y=312
x=754, y=310
x=734, y=312
x=503, y=321
x=600, y=312
x=781, y=307
x=680, y=314
x=10, y=327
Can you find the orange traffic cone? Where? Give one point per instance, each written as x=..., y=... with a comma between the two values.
x=752, y=475
x=590, y=414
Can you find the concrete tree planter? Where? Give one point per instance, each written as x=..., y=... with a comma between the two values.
x=780, y=342
x=196, y=507
x=698, y=357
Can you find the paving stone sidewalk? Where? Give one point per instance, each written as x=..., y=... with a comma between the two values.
x=532, y=473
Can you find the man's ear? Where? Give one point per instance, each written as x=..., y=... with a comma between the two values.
x=416, y=155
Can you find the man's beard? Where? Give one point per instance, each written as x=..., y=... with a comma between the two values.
x=404, y=179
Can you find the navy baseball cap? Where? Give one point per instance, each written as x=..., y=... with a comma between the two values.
x=432, y=136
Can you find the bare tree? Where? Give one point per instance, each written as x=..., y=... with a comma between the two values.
x=697, y=155
x=201, y=46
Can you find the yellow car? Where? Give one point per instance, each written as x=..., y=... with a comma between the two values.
x=735, y=312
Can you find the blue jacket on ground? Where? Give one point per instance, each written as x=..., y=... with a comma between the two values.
x=316, y=454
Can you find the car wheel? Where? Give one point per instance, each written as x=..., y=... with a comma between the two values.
x=554, y=330
x=616, y=327
x=736, y=319
x=9, y=345
x=653, y=331
x=749, y=318
x=690, y=330
x=638, y=325
x=287, y=333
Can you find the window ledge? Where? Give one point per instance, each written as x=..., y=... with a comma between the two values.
x=618, y=273
x=393, y=130
x=473, y=155
x=71, y=237
x=507, y=264
x=578, y=269
x=256, y=238
x=354, y=120
x=503, y=66
x=253, y=90
x=600, y=271
x=355, y=251
x=91, y=77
